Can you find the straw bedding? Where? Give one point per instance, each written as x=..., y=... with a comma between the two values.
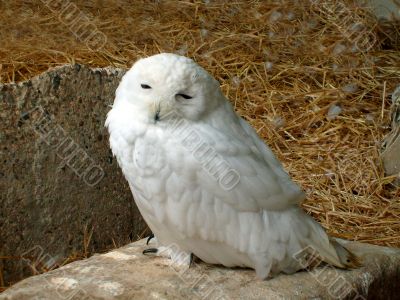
x=291, y=68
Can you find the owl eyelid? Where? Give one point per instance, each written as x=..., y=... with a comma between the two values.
x=145, y=86
x=187, y=97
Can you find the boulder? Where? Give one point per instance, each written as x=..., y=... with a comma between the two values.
x=391, y=144
x=61, y=189
x=126, y=273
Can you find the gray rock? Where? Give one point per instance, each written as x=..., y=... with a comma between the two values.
x=61, y=191
x=126, y=273
x=333, y=112
x=391, y=144
x=386, y=9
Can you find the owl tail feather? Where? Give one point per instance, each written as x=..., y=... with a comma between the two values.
x=332, y=251
x=337, y=255
x=346, y=258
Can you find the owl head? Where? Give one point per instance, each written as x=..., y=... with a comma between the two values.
x=167, y=83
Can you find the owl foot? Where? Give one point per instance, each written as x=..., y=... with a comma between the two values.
x=182, y=260
x=178, y=258
x=150, y=251
x=160, y=251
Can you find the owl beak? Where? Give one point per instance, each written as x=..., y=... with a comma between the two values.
x=157, y=116
x=156, y=110
x=159, y=109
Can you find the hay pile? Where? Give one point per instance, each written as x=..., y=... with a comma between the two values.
x=291, y=68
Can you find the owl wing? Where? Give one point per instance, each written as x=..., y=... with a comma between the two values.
x=228, y=159
x=286, y=193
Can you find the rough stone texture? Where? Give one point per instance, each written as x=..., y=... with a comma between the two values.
x=127, y=274
x=386, y=9
x=391, y=152
x=48, y=201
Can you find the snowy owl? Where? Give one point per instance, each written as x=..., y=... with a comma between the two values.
x=203, y=179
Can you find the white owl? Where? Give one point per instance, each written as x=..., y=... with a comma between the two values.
x=201, y=176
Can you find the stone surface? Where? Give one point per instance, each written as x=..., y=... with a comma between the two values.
x=61, y=191
x=126, y=273
x=391, y=152
x=386, y=9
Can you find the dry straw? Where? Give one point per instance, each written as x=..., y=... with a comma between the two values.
x=293, y=69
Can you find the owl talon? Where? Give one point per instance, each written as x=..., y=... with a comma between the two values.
x=150, y=251
x=149, y=238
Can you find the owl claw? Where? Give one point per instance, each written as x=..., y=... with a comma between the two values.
x=178, y=258
x=150, y=251
x=149, y=238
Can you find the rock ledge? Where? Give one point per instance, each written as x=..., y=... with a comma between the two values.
x=126, y=274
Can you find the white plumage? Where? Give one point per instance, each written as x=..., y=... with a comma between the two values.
x=202, y=178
